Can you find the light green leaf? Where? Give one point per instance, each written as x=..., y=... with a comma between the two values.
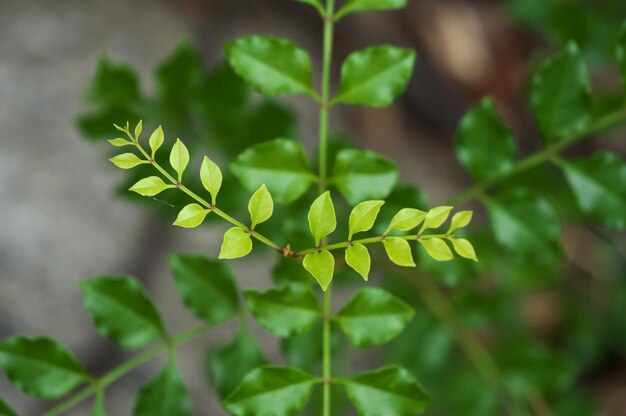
x=463, y=248
x=287, y=311
x=138, y=129
x=399, y=251
x=561, y=95
x=41, y=367
x=359, y=259
x=373, y=317
x=98, y=404
x=119, y=142
x=315, y=3
x=156, y=140
x=191, y=216
x=375, y=76
x=363, y=216
x=163, y=395
x=179, y=158
x=460, y=220
x=207, y=287
x=150, y=186
x=271, y=391
x=406, y=219
x=261, y=206
x=322, y=266
x=621, y=54
x=435, y=218
x=122, y=311
x=361, y=175
x=237, y=243
x=484, y=144
x=279, y=164
x=127, y=161
x=5, y=410
x=599, y=183
x=271, y=65
x=437, y=248
x=322, y=220
x=228, y=365
x=353, y=6
x=389, y=391
x=211, y=177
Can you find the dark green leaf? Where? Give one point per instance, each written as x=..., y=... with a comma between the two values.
x=561, y=96
x=121, y=310
x=621, y=54
x=526, y=223
x=271, y=391
x=178, y=77
x=373, y=317
x=389, y=391
x=5, y=410
x=163, y=395
x=288, y=271
x=280, y=164
x=271, y=65
x=207, y=286
x=228, y=365
x=599, y=183
x=114, y=85
x=41, y=367
x=286, y=311
x=375, y=76
x=361, y=175
x=484, y=144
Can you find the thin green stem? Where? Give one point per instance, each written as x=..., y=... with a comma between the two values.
x=125, y=368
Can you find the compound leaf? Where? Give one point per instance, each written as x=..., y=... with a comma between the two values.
x=359, y=259
x=322, y=220
x=41, y=367
x=191, y=216
x=150, y=186
x=207, y=287
x=286, y=311
x=373, y=317
x=363, y=216
x=437, y=249
x=399, y=251
x=211, y=177
x=179, y=158
x=121, y=310
x=237, y=243
x=164, y=395
x=261, y=206
x=322, y=266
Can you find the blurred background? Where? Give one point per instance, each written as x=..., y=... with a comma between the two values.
x=62, y=219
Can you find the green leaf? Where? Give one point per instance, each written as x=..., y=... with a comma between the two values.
x=119, y=142
x=460, y=220
x=127, y=161
x=138, y=129
x=279, y=164
x=156, y=140
x=375, y=76
x=211, y=178
x=363, y=216
x=322, y=266
x=261, y=206
x=163, y=395
x=322, y=220
x=179, y=158
x=5, y=410
x=271, y=65
x=599, y=183
x=271, y=391
x=121, y=310
x=228, y=365
x=484, y=144
x=315, y=3
x=373, y=317
x=527, y=224
x=621, y=54
x=463, y=248
x=406, y=219
x=99, y=408
x=150, y=186
x=286, y=311
x=114, y=85
x=41, y=367
x=561, y=95
x=389, y=391
x=191, y=216
x=437, y=248
x=399, y=251
x=435, y=218
x=178, y=80
x=353, y=6
x=237, y=243
x=361, y=175
x=207, y=287
x=358, y=258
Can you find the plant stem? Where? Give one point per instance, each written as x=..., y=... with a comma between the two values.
x=323, y=172
x=120, y=371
